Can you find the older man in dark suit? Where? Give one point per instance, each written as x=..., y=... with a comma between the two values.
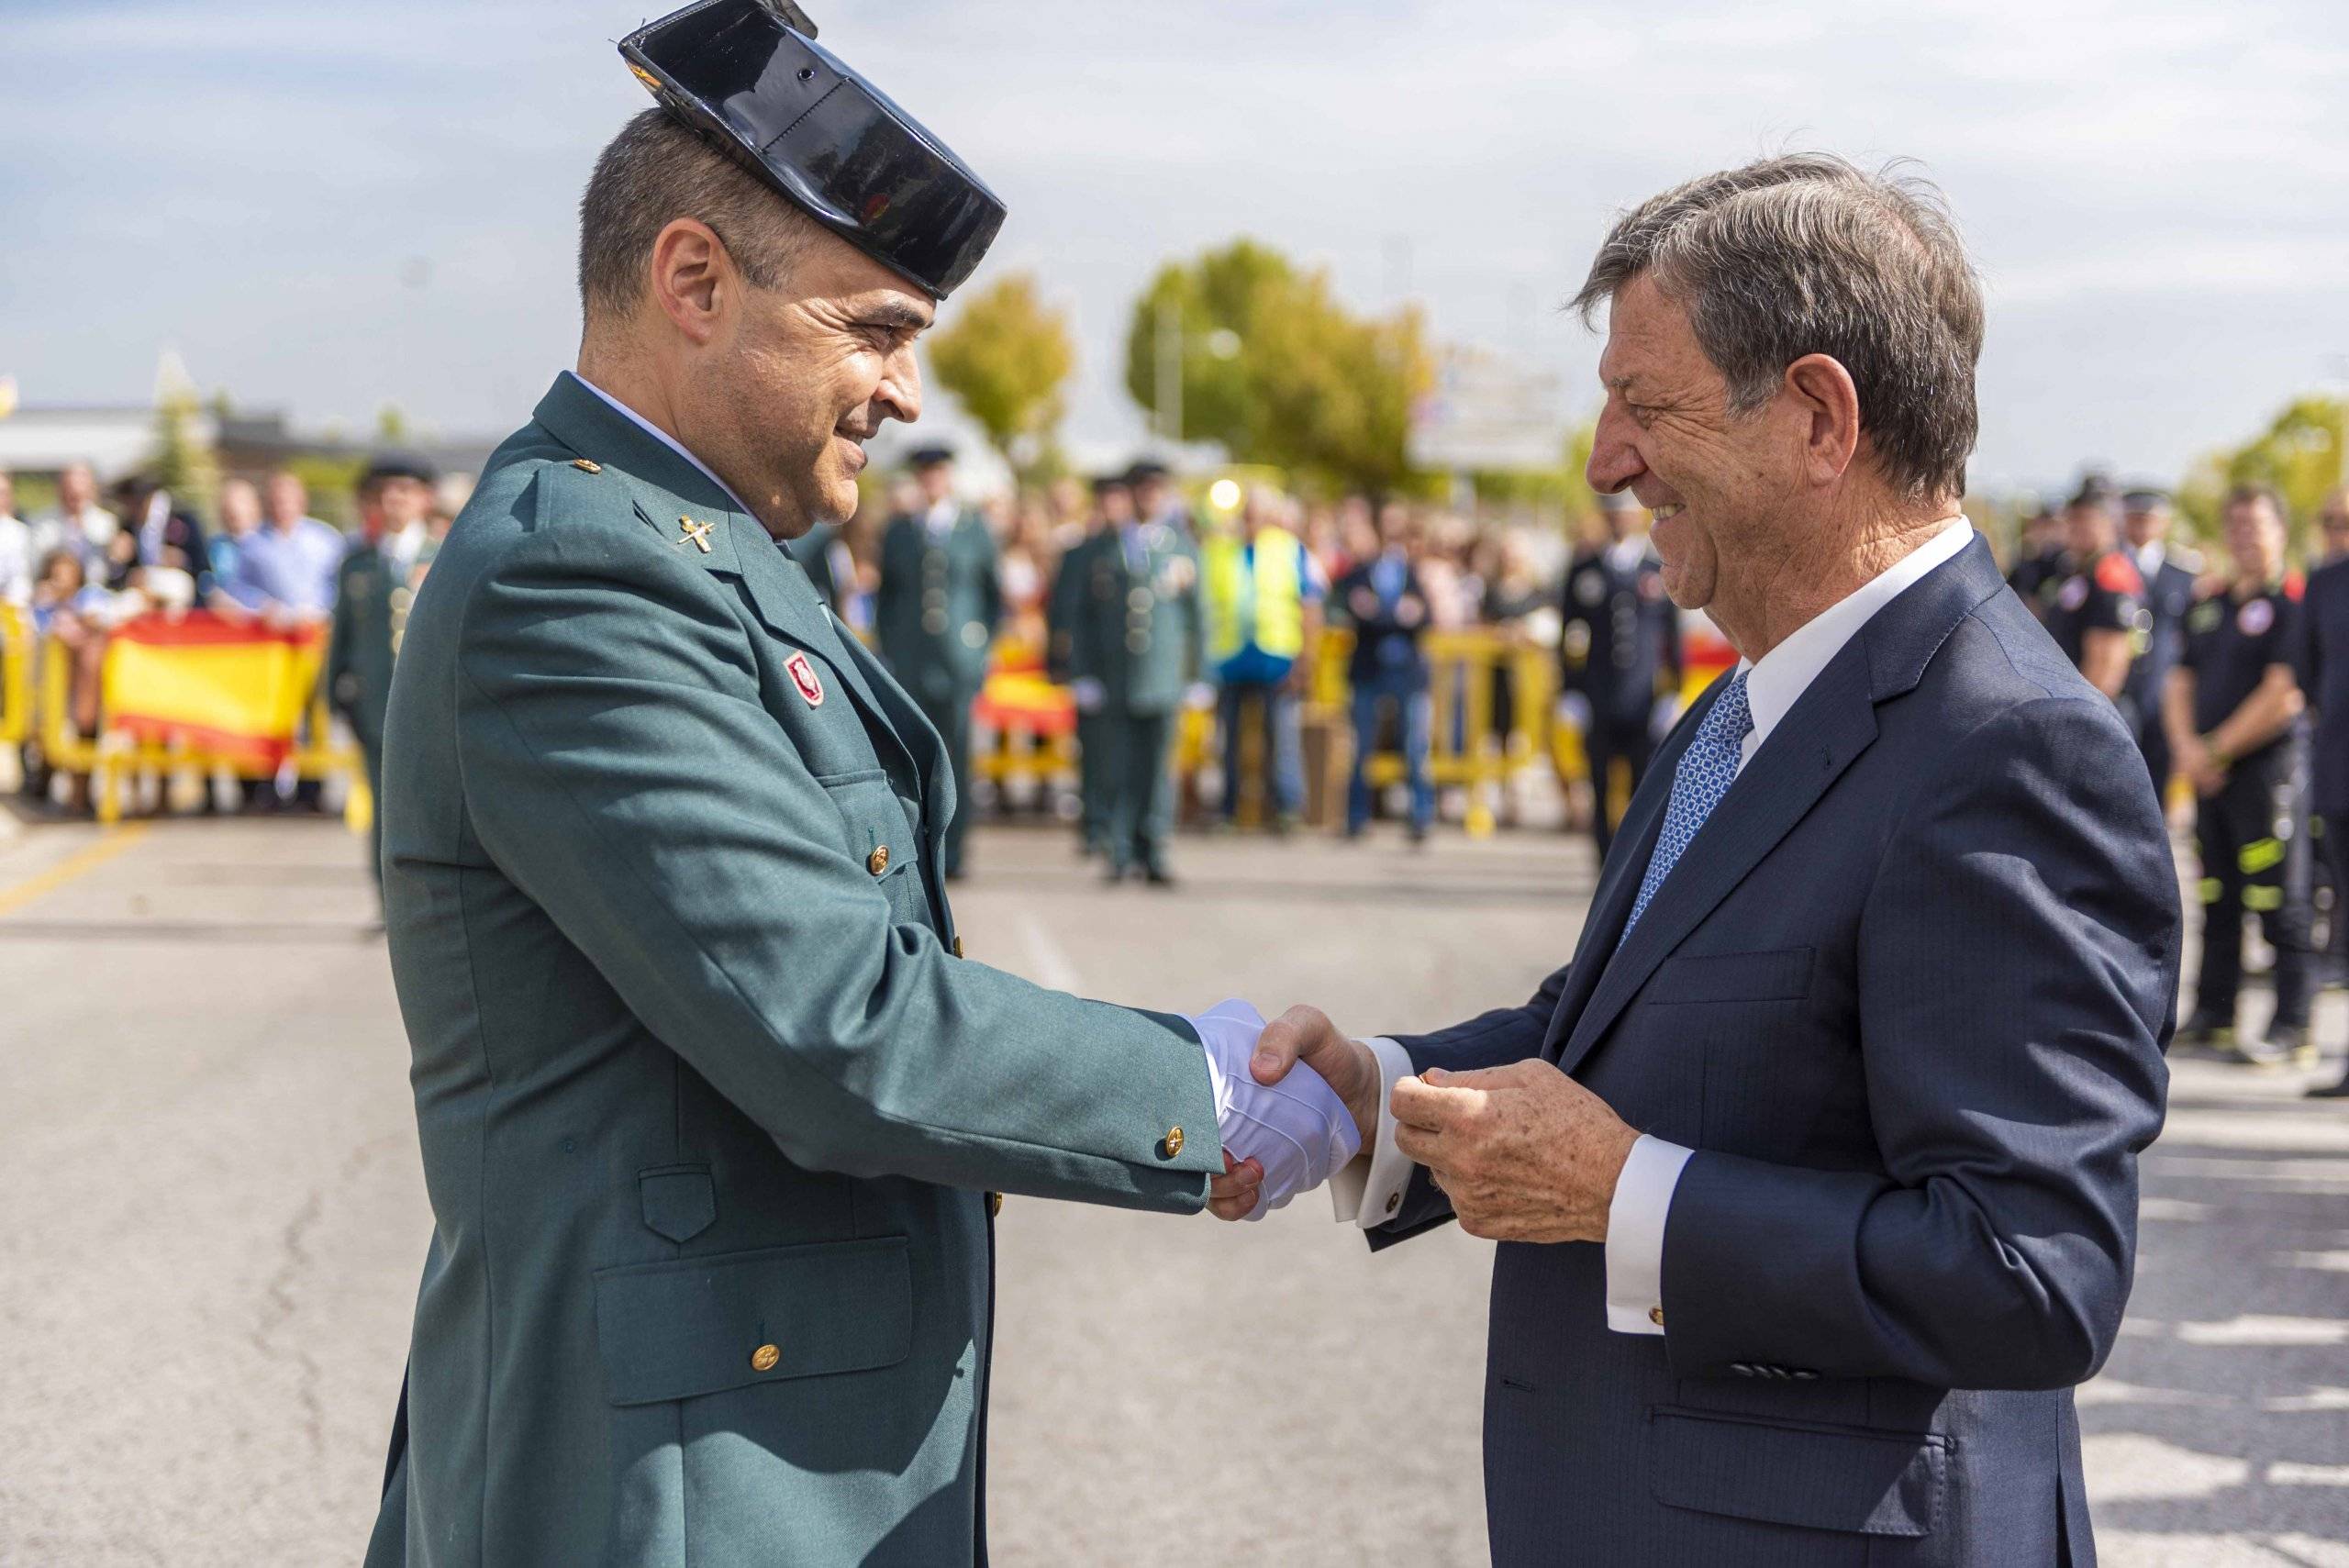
x=1816, y=1168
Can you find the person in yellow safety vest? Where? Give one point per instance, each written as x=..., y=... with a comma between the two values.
x=1264, y=607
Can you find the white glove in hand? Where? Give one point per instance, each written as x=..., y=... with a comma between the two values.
x=1297, y=1129
x=1087, y=694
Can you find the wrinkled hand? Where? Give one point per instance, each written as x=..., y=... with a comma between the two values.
x=1524, y=1153
x=1301, y=1036
x=1293, y=1128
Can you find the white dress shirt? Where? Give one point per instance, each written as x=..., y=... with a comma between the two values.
x=666, y=440
x=1369, y=1191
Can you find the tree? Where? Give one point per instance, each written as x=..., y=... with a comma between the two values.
x=183, y=463
x=1006, y=358
x=1269, y=365
x=2299, y=454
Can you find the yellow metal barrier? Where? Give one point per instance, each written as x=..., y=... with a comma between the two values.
x=16, y=675
x=113, y=759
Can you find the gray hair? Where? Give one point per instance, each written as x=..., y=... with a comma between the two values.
x=1809, y=254
x=655, y=172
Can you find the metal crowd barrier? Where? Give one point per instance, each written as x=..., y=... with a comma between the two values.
x=16, y=675
x=114, y=759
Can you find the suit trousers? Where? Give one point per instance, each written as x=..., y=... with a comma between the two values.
x=2253, y=841
x=1141, y=796
x=1603, y=743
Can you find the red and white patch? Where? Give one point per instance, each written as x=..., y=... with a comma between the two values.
x=802, y=675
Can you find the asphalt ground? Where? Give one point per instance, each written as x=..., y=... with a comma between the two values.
x=211, y=1220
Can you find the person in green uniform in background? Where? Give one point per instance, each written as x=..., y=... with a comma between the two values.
x=1113, y=506
x=371, y=602
x=710, y=1107
x=936, y=612
x=1135, y=659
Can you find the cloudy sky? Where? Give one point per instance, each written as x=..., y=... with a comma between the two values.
x=331, y=207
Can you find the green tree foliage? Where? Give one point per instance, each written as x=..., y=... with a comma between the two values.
x=183, y=463
x=1275, y=370
x=1006, y=357
x=2299, y=454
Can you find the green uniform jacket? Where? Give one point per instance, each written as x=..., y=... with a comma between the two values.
x=937, y=605
x=1139, y=632
x=359, y=653
x=708, y=1105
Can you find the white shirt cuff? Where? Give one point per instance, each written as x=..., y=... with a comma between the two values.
x=1635, y=1235
x=1369, y=1189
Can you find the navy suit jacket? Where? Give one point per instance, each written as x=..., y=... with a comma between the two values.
x=2324, y=676
x=1906, y=994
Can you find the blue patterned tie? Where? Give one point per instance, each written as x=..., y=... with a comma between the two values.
x=1704, y=774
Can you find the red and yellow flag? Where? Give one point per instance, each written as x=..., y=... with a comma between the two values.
x=236, y=688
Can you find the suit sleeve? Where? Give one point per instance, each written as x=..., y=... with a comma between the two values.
x=619, y=767
x=1494, y=1039
x=2017, y=972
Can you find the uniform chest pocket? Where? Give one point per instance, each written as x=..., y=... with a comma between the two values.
x=879, y=833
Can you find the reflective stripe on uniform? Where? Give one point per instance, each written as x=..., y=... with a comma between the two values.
x=2260, y=854
x=2263, y=898
x=2208, y=889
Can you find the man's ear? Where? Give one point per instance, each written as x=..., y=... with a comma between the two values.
x=1823, y=390
x=692, y=277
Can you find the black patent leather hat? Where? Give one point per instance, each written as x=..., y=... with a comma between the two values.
x=746, y=75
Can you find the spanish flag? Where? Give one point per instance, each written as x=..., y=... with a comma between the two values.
x=1017, y=696
x=234, y=688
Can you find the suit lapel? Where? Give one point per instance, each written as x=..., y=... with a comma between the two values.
x=1829, y=726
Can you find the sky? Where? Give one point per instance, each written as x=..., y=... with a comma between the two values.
x=330, y=209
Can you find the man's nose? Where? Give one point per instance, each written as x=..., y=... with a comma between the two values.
x=900, y=389
x=1614, y=461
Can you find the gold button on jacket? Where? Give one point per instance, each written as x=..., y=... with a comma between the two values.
x=1171, y=1144
x=879, y=860
x=764, y=1358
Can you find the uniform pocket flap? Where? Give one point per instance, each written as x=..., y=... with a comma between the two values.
x=1782, y=974
x=1821, y=1477
x=680, y=1201
x=876, y=828
x=700, y=1325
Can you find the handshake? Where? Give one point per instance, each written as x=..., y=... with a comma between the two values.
x=1295, y=1101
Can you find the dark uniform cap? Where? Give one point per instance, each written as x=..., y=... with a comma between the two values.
x=1108, y=482
x=928, y=457
x=770, y=97
x=2144, y=499
x=398, y=465
x=1143, y=472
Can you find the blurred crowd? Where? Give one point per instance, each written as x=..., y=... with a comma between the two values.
x=1134, y=601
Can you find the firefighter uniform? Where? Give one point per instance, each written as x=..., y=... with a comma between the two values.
x=2252, y=836
x=2100, y=594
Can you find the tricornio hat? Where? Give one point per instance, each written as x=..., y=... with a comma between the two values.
x=750, y=76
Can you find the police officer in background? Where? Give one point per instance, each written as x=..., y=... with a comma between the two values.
x=2325, y=680
x=2168, y=575
x=1135, y=655
x=2039, y=556
x=371, y=594
x=2233, y=709
x=935, y=614
x=2091, y=605
x=1386, y=605
x=1113, y=509
x=1618, y=655
x=1157, y=501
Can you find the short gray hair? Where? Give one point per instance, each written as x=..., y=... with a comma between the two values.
x=1809, y=254
x=655, y=172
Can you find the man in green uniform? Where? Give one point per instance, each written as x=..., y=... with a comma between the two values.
x=936, y=613
x=371, y=602
x=1113, y=505
x=1137, y=637
x=710, y=1105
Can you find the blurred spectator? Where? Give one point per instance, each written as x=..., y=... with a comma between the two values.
x=239, y=518
x=2333, y=527
x=1264, y=597
x=77, y=523
x=1385, y=603
x=371, y=593
x=2168, y=576
x=1113, y=509
x=399, y=486
x=169, y=535
x=16, y=548
x=2039, y=558
x=286, y=568
x=2092, y=609
x=1157, y=501
x=1519, y=607
x=2325, y=680
x=1024, y=558
x=1620, y=656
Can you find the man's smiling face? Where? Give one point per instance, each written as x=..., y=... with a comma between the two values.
x=1713, y=479
x=812, y=368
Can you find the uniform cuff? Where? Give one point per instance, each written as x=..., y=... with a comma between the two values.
x=1369, y=1190
x=1635, y=1235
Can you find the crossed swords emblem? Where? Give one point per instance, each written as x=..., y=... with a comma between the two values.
x=697, y=535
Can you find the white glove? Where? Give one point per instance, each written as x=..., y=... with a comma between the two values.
x=1087, y=694
x=1297, y=1129
x=1575, y=708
